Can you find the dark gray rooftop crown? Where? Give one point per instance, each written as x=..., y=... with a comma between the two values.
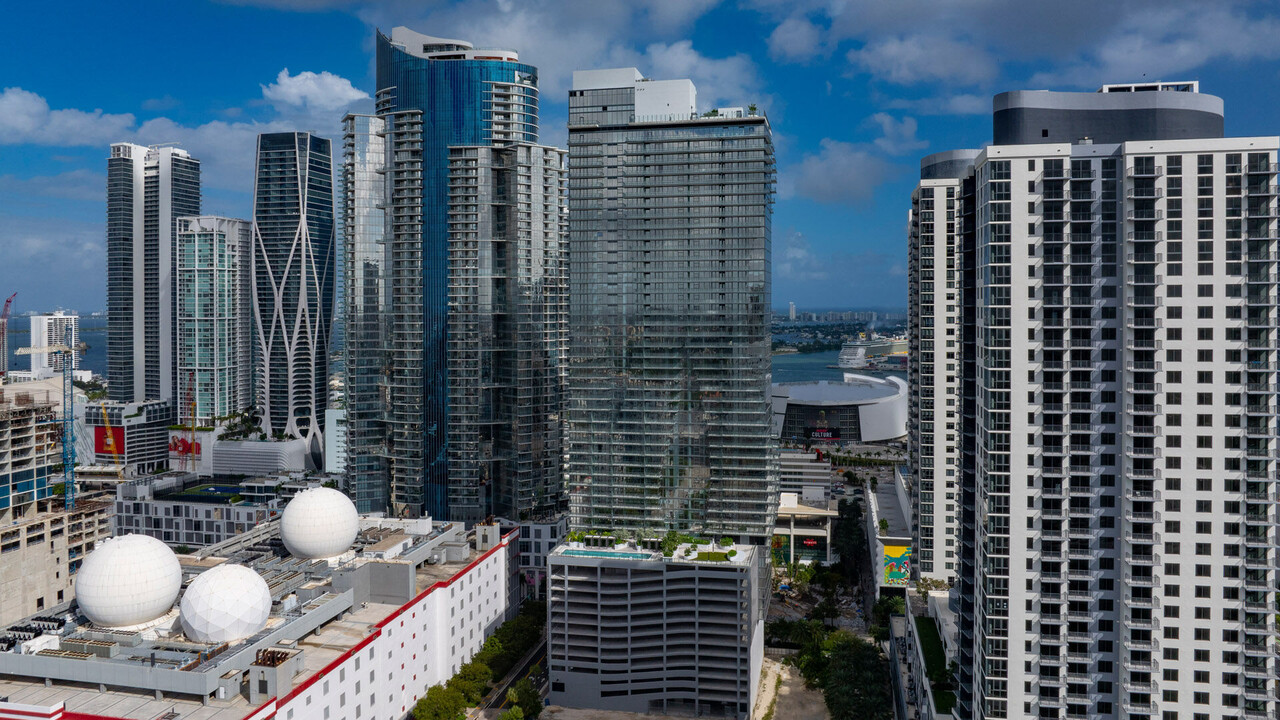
x=1114, y=114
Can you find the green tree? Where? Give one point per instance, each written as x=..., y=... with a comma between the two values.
x=826, y=609
x=515, y=712
x=440, y=703
x=888, y=605
x=528, y=698
x=472, y=680
x=855, y=680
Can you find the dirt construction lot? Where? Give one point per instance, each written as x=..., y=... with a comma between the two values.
x=795, y=701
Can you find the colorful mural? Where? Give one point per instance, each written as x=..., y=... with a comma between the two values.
x=897, y=564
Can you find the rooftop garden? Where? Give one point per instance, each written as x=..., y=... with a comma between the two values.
x=935, y=664
x=672, y=545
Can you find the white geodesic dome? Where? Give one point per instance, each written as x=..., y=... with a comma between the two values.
x=225, y=603
x=127, y=581
x=319, y=523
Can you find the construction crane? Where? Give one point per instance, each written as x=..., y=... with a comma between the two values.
x=4, y=336
x=68, y=409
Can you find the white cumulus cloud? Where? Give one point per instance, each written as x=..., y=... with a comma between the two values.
x=898, y=136
x=915, y=58
x=322, y=91
x=840, y=173
x=795, y=39
x=26, y=118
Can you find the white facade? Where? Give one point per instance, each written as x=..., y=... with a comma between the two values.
x=365, y=659
x=51, y=329
x=654, y=100
x=933, y=428
x=1127, y=379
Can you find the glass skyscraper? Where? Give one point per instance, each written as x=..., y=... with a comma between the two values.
x=148, y=188
x=508, y=314
x=215, y=322
x=293, y=267
x=669, y=421
x=365, y=299
x=431, y=94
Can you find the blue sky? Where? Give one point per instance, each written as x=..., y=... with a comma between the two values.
x=857, y=91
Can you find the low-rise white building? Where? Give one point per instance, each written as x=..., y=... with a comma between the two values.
x=362, y=635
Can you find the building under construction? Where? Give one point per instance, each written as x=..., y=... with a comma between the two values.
x=42, y=542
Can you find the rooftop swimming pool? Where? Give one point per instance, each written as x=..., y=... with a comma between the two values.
x=607, y=554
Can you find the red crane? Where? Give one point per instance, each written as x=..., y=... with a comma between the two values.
x=4, y=334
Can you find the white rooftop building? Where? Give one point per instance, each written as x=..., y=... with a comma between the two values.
x=256, y=633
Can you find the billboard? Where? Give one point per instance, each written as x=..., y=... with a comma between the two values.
x=108, y=441
x=897, y=565
x=180, y=448
x=822, y=433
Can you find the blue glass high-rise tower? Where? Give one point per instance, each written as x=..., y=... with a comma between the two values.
x=432, y=93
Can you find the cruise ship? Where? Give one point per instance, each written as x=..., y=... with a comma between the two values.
x=856, y=354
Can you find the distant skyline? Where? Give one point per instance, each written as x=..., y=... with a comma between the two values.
x=857, y=91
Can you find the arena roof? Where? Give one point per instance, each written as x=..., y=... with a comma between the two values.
x=856, y=389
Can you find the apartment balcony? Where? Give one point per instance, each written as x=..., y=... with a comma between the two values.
x=1258, y=628
x=1258, y=584
x=1138, y=687
x=1141, y=257
x=1143, y=430
x=1261, y=694
x=1147, y=559
x=1154, y=171
x=1143, y=408
x=1148, y=665
x=1144, y=495
x=1135, y=707
x=1146, y=215
x=1143, y=323
x=1266, y=168
x=1257, y=650
x=1139, y=601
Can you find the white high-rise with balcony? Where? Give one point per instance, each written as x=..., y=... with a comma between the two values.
x=52, y=329
x=1118, y=525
